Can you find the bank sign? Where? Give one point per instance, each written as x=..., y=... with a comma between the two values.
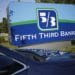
x=34, y=23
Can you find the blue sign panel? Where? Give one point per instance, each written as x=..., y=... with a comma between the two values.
x=34, y=23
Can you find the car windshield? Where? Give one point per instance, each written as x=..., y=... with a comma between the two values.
x=9, y=66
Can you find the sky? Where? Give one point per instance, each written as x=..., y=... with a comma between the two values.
x=29, y=11
x=4, y=4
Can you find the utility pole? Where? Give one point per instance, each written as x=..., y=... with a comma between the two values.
x=19, y=0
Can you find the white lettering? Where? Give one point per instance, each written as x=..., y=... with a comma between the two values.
x=25, y=37
x=48, y=35
x=67, y=33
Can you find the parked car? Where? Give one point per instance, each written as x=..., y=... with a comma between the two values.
x=36, y=62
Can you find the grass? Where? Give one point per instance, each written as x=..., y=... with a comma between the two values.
x=7, y=44
x=69, y=49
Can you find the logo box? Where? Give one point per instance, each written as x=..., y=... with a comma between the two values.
x=47, y=19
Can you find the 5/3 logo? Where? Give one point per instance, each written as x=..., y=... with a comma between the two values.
x=47, y=19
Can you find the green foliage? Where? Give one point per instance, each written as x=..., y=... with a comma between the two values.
x=2, y=39
x=73, y=42
x=4, y=26
x=70, y=1
x=49, y=1
x=57, y=1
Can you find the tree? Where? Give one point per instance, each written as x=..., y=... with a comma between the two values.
x=47, y=1
x=4, y=25
x=37, y=1
x=57, y=1
x=19, y=0
x=70, y=1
